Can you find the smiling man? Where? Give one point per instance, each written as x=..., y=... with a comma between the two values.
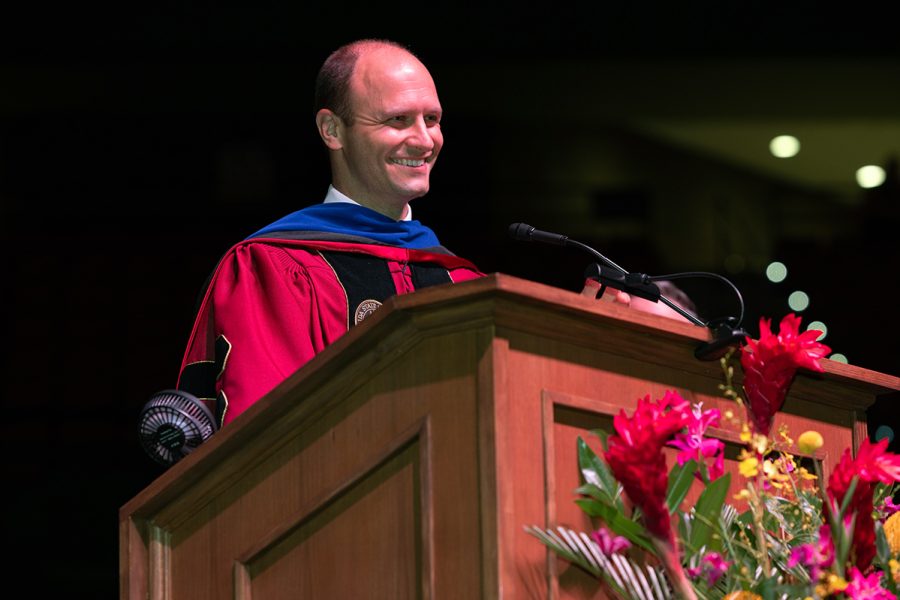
x=282, y=295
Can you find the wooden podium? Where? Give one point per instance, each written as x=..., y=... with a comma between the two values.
x=406, y=459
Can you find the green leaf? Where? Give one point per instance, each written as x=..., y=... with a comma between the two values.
x=618, y=523
x=768, y=588
x=882, y=545
x=589, y=489
x=593, y=508
x=596, y=472
x=603, y=435
x=680, y=480
x=708, y=509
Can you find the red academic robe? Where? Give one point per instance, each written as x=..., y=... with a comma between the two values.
x=273, y=304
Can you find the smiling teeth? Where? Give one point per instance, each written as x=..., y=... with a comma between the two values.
x=408, y=162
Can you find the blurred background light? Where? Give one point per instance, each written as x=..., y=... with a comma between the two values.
x=818, y=326
x=870, y=176
x=784, y=146
x=798, y=301
x=776, y=272
x=884, y=431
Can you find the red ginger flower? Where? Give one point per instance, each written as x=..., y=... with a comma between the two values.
x=636, y=457
x=770, y=365
x=871, y=465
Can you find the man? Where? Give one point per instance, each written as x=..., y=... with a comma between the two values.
x=281, y=296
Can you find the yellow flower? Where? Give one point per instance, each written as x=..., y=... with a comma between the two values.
x=749, y=467
x=745, y=433
x=783, y=433
x=810, y=441
x=895, y=570
x=760, y=443
x=804, y=474
x=836, y=584
x=774, y=474
x=892, y=532
x=742, y=495
x=742, y=595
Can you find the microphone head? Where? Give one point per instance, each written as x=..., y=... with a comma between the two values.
x=521, y=231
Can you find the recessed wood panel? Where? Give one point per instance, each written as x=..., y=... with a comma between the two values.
x=365, y=543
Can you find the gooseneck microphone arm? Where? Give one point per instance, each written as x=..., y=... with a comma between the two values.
x=527, y=233
x=726, y=331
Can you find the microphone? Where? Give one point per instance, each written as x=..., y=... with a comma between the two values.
x=726, y=332
x=526, y=233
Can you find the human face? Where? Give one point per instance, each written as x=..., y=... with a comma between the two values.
x=395, y=136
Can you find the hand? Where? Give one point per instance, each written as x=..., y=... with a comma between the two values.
x=592, y=288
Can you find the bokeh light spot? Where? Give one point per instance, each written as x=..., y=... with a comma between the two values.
x=818, y=326
x=776, y=272
x=870, y=176
x=798, y=301
x=784, y=146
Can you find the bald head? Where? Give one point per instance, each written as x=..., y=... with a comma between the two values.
x=335, y=76
x=379, y=116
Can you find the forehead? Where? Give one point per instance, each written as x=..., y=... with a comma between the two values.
x=390, y=79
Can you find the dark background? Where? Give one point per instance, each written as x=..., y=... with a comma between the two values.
x=137, y=144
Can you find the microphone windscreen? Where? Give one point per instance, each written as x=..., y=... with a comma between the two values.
x=521, y=231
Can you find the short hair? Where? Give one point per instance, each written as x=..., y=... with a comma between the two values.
x=333, y=80
x=676, y=295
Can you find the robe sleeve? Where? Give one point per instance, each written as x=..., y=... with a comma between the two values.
x=268, y=311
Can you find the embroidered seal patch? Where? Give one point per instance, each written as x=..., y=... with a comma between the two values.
x=365, y=308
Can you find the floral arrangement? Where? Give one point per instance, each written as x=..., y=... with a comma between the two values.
x=794, y=540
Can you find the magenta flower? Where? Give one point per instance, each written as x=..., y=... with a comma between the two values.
x=712, y=566
x=888, y=507
x=636, y=458
x=610, y=544
x=861, y=587
x=771, y=363
x=816, y=557
x=694, y=446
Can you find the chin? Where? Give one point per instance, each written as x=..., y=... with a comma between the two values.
x=416, y=192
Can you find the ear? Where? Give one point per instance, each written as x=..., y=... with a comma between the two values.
x=330, y=128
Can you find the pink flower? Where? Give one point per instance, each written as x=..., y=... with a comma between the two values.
x=636, y=458
x=872, y=464
x=693, y=446
x=866, y=588
x=770, y=365
x=610, y=544
x=816, y=557
x=712, y=566
x=888, y=507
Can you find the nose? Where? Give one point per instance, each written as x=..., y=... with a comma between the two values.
x=421, y=136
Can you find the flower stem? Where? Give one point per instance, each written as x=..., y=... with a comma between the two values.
x=668, y=554
x=757, y=506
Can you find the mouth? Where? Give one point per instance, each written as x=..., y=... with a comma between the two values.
x=408, y=162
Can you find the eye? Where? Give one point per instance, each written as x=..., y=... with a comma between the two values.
x=398, y=120
x=433, y=119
